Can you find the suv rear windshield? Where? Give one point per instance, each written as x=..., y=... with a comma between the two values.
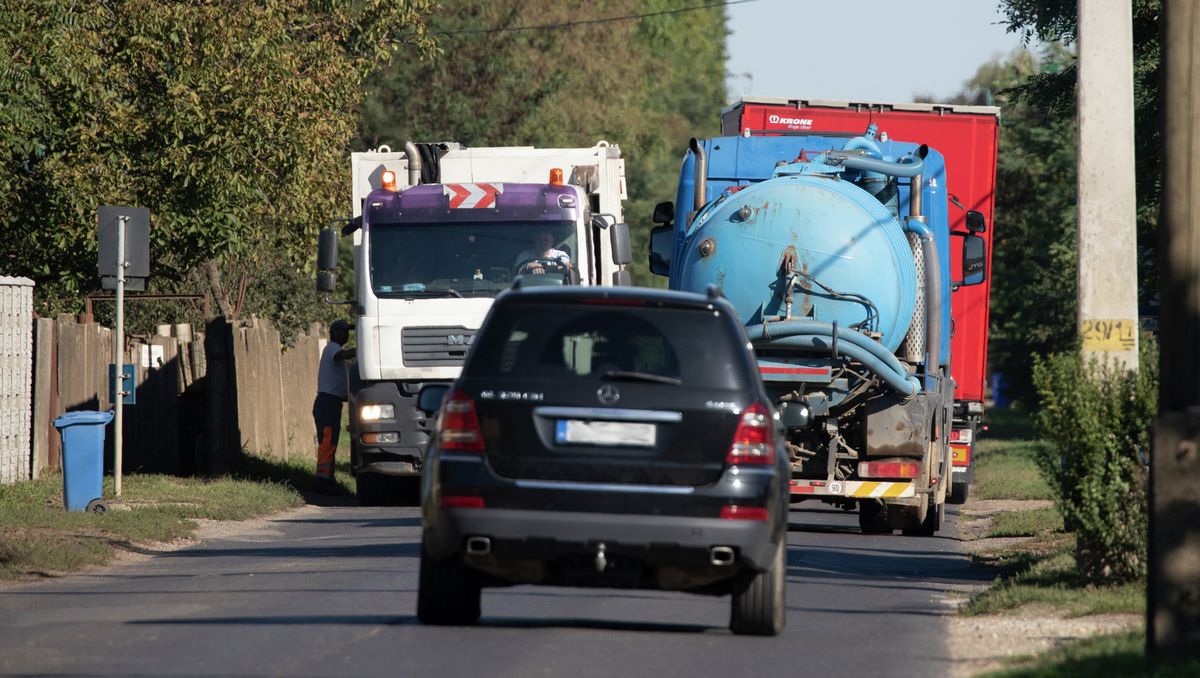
x=699, y=348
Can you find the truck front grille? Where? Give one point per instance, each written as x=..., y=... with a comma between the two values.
x=435, y=346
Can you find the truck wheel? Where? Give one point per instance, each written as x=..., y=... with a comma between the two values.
x=758, y=599
x=933, y=520
x=409, y=490
x=370, y=489
x=872, y=517
x=959, y=493
x=448, y=592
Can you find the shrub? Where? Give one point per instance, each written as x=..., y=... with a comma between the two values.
x=1097, y=418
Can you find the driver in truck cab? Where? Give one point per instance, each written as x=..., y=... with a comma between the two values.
x=532, y=260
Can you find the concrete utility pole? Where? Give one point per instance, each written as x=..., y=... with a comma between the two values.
x=1107, y=234
x=1173, y=606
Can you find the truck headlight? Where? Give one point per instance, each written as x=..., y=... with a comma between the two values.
x=376, y=412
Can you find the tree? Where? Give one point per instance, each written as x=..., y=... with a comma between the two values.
x=229, y=120
x=1052, y=92
x=646, y=84
x=1033, y=258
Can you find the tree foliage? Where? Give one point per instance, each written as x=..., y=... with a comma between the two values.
x=645, y=84
x=1034, y=281
x=229, y=120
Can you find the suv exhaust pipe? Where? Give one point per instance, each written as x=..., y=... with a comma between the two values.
x=722, y=556
x=478, y=546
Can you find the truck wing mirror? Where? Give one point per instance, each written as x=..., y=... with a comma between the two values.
x=975, y=221
x=622, y=247
x=327, y=249
x=662, y=243
x=974, y=260
x=431, y=396
x=664, y=213
x=603, y=221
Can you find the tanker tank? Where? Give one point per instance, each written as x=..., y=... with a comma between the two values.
x=844, y=257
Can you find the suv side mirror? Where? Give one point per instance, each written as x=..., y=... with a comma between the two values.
x=622, y=247
x=662, y=244
x=975, y=222
x=974, y=260
x=664, y=213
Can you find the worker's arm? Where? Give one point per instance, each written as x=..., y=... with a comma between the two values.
x=344, y=354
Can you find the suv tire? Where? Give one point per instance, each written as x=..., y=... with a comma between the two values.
x=448, y=592
x=758, y=599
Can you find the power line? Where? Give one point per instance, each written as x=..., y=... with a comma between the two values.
x=584, y=22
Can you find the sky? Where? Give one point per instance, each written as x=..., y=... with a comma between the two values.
x=861, y=50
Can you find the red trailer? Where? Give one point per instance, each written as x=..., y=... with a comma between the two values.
x=967, y=136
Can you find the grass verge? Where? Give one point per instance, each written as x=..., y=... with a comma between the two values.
x=1040, y=571
x=40, y=538
x=1004, y=459
x=1030, y=523
x=1109, y=655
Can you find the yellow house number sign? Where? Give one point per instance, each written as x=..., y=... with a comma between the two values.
x=1109, y=335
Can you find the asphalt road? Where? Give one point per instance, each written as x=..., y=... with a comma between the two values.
x=331, y=591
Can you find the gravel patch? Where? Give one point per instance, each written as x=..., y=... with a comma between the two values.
x=982, y=643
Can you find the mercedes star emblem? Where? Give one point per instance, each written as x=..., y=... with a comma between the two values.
x=608, y=394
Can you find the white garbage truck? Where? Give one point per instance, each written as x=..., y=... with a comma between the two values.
x=439, y=230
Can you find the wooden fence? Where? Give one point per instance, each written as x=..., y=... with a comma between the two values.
x=272, y=409
x=202, y=398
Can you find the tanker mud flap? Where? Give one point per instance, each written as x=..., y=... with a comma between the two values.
x=898, y=427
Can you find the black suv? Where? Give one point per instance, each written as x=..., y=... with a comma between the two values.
x=607, y=437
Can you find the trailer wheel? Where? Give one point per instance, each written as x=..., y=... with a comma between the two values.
x=448, y=592
x=873, y=517
x=758, y=599
x=959, y=493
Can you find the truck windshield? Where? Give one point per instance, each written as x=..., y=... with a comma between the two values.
x=469, y=260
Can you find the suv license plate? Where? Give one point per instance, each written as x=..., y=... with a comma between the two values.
x=624, y=433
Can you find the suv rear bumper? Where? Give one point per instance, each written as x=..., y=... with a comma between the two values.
x=519, y=534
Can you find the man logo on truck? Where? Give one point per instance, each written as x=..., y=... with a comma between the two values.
x=459, y=339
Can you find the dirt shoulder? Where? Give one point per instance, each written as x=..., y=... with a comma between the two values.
x=982, y=643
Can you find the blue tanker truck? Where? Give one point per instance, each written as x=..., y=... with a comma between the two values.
x=835, y=253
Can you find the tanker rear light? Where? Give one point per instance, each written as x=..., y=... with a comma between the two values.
x=556, y=176
x=960, y=435
x=906, y=470
x=388, y=180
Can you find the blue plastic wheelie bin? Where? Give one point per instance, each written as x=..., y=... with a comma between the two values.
x=83, y=459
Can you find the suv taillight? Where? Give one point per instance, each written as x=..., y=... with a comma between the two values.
x=459, y=427
x=754, y=440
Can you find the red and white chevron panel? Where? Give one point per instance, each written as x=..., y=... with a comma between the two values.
x=473, y=196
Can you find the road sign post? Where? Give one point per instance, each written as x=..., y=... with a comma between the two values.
x=122, y=265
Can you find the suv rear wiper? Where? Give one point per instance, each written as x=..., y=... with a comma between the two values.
x=642, y=376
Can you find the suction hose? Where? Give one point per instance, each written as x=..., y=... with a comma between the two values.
x=819, y=335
